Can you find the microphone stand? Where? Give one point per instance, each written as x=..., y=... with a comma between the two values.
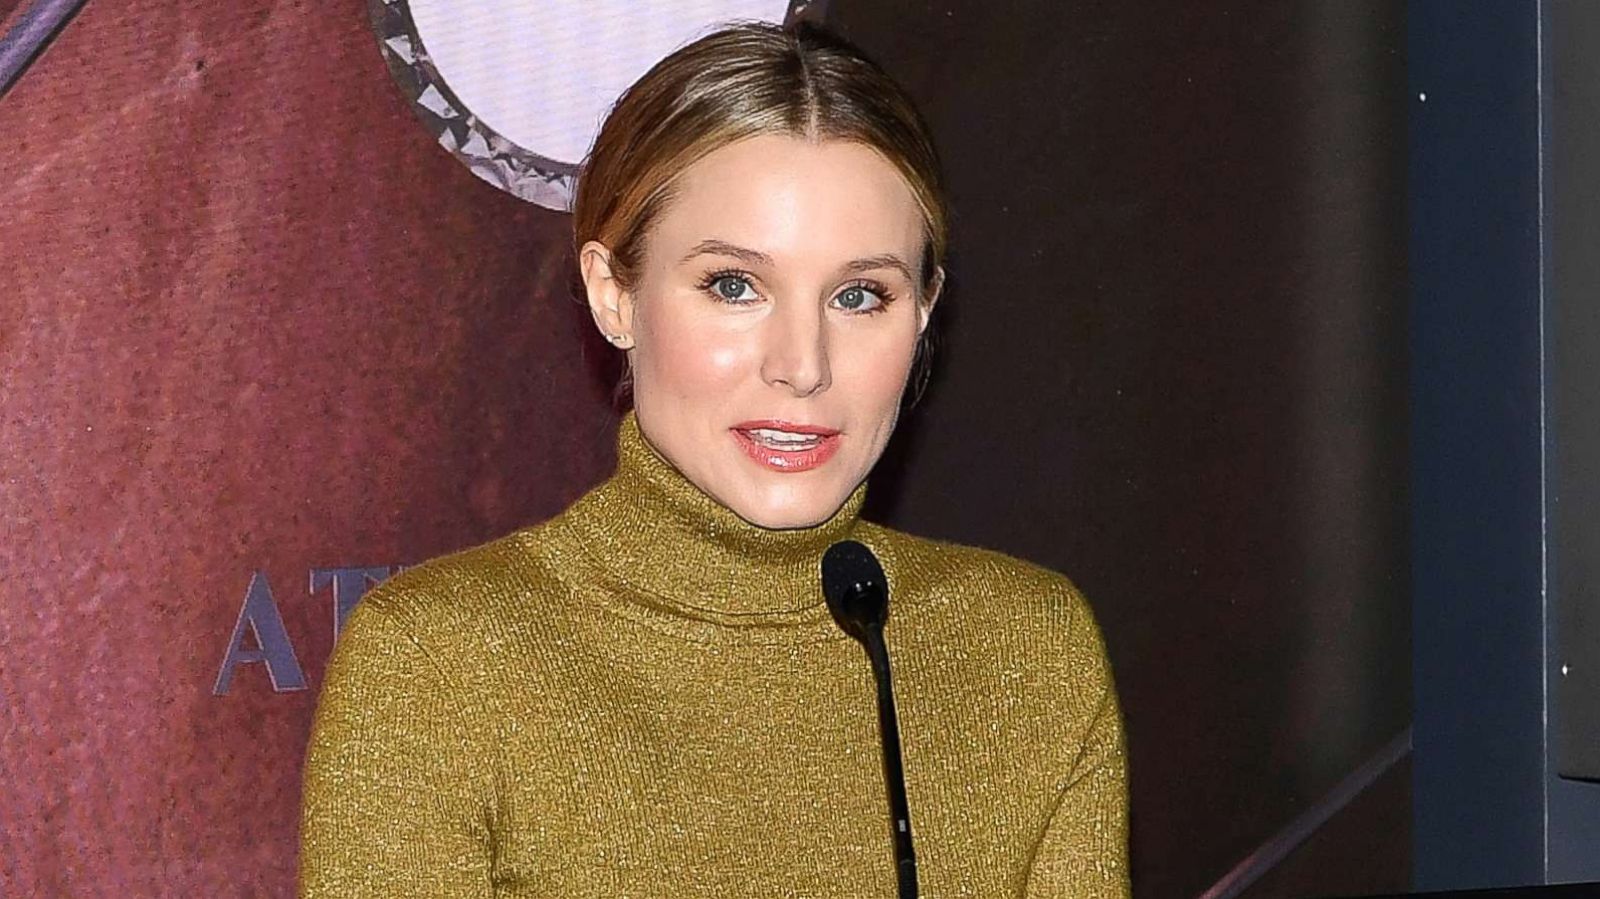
x=894, y=776
x=858, y=596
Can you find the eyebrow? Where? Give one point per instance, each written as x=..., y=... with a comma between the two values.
x=756, y=257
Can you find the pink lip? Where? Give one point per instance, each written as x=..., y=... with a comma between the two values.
x=787, y=460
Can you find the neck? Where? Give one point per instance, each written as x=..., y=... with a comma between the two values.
x=676, y=547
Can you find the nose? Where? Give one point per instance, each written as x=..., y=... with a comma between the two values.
x=796, y=350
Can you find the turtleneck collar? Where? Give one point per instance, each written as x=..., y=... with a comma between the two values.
x=674, y=548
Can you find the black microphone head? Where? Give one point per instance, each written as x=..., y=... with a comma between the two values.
x=855, y=587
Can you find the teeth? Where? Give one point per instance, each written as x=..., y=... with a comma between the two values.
x=784, y=439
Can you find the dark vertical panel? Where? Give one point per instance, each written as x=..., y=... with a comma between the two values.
x=1572, y=342
x=1574, y=392
x=1174, y=367
x=1476, y=443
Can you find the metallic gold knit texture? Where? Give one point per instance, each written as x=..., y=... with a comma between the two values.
x=646, y=697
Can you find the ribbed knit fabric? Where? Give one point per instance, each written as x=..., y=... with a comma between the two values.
x=646, y=697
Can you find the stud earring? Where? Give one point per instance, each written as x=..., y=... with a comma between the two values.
x=620, y=340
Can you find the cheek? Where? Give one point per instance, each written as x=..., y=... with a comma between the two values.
x=877, y=367
x=687, y=354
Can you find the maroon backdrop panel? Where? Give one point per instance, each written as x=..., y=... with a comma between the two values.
x=253, y=321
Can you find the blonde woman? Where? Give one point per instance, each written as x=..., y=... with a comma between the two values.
x=647, y=696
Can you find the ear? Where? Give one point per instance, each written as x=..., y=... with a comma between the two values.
x=609, y=304
x=925, y=305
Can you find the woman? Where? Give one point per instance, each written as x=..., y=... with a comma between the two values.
x=647, y=696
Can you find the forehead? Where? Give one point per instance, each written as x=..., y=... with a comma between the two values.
x=796, y=199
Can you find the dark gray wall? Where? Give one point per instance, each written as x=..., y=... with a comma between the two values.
x=1174, y=368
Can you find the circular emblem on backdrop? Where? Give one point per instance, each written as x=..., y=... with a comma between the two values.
x=517, y=90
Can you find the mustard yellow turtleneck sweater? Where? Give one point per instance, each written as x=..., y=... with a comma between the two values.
x=646, y=697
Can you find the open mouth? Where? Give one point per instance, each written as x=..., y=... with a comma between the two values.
x=789, y=441
x=782, y=446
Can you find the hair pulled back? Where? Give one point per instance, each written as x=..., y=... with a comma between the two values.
x=745, y=80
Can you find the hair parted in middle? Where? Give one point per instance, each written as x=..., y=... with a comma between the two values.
x=744, y=80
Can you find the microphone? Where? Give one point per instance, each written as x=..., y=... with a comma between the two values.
x=858, y=596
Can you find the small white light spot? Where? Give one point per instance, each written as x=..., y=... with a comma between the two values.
x=1563, y=671
x=1423, y=96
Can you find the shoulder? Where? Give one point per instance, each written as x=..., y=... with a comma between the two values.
x=452, y=604
x=1006, y=585
x=1025, y=612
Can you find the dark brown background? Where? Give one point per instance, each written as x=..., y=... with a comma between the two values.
x=1175, y=370
x=253, y=318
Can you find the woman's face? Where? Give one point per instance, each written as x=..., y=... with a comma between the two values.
x=773, y=322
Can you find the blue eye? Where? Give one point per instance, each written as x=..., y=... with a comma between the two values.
x=861, y=298
x=733, y=289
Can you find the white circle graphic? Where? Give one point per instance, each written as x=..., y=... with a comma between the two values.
x=517, y=90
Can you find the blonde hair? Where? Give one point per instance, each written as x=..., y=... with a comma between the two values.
x=745, y=80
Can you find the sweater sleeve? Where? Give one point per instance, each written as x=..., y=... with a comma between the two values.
x=1083, y=851
x=393, y=804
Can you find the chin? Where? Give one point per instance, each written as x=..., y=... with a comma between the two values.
x=789, y=508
